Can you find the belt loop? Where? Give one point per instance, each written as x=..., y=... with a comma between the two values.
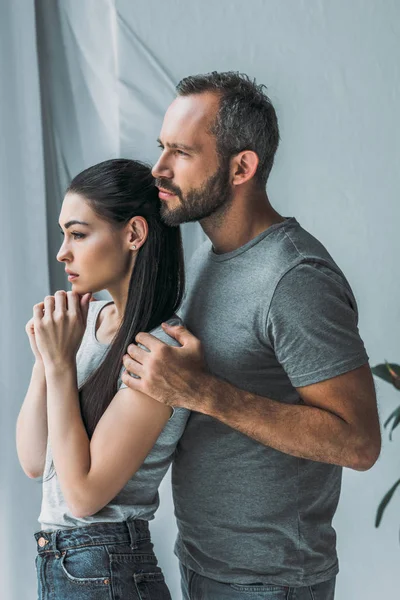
x=130, y=523
x=56, y=550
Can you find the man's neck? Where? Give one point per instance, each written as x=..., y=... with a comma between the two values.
x=244, y=220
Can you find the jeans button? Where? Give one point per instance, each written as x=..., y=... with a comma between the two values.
x=42, y=542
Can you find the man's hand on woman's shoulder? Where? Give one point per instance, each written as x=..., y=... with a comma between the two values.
x=169, y=374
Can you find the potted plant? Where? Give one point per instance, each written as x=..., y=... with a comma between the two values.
x=391, y=374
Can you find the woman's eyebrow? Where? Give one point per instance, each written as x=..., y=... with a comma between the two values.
x=74, y=222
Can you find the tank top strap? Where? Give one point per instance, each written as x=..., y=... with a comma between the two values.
x=94, y=309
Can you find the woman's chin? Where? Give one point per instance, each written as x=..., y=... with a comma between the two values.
x=83, y=289
x=79, y=288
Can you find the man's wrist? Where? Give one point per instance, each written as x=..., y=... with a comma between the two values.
x=207, y=395
x=223, y=401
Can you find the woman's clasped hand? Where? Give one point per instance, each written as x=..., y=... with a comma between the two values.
x=58, y=325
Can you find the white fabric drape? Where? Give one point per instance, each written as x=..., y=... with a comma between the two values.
x=95, y=85
x=24, y=278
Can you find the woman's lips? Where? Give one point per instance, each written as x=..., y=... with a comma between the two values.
x=71, y=275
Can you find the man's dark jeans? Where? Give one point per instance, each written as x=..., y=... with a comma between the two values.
x=197, y=587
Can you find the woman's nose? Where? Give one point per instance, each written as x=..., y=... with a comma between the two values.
x=62, y=254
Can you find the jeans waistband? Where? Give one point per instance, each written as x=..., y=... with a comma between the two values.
x=131, y=531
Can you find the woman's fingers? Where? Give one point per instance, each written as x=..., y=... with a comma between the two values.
x=60, y=299
x=84, y=302
x=29, y=327
x=49, y=304
x=38, y=311
x=73, y=303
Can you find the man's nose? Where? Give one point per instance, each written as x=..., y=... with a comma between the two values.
x=162, y=169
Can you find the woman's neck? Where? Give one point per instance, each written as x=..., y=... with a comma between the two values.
x=110, y=317
x=119, y=295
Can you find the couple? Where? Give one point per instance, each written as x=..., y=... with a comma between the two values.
x=259, y=396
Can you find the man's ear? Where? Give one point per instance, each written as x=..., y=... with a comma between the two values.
x=244, y=166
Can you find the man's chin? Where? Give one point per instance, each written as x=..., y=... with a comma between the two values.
x=171, y=217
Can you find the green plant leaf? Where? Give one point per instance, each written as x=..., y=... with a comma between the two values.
x=395, y=416
x=382, y=371
x=392, y=415
x=384, y=502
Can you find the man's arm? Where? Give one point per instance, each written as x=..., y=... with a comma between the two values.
x=338, y=422
x=311, y=326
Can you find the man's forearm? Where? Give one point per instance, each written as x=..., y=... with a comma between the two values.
x=336, y=421
x=300, y=430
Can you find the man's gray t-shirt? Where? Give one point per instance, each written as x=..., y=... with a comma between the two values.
x=273, y=315
x=139, y=497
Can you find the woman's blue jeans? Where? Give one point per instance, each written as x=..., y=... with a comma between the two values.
x=197, y=587
x=103, y=561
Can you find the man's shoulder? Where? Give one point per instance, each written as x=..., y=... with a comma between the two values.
x=291, y=243
x=298, y=242
x=200, y=254
x=298, y=247
x=280, y=249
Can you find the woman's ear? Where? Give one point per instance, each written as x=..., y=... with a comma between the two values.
x=244, y=166
x=138, y=230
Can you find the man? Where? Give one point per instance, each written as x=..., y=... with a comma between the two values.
x=280, y=385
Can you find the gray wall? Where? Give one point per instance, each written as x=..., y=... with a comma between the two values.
x=332, y=70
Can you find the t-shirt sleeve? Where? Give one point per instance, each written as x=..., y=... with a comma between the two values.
x=312, y=325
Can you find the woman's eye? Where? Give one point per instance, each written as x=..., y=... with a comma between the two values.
x=75, y=234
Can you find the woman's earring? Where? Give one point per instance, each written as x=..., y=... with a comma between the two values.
x=133, y=247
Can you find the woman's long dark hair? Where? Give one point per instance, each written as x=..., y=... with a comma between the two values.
x=118, y=190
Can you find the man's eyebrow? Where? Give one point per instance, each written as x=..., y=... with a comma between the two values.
x=177, y=145
x=73, y=222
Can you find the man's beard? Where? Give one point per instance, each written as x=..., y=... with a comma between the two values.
x=211, y=198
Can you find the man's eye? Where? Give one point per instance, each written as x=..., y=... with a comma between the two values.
x=182, y=153
x=161, y=146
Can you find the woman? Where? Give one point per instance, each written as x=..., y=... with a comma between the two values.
x=102, y=448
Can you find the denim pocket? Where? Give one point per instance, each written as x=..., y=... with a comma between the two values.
x=151, y=586
x=136, y=576
x=86, y=566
